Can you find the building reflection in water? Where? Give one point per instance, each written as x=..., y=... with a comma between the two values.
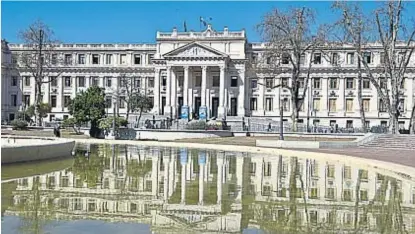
x=203, y=190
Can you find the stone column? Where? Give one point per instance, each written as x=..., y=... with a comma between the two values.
x=190, y=91
x=74, y=86
x=260, y=98
x=201, y=182
x=186, y=86
x=203, y=89
x=173, y=93
x=167, y=108
x=156, y=105
x=221, y=109
x=183, y=193
x=241, y=95
x=166, y=163
x=220, y=162
x=154, y=175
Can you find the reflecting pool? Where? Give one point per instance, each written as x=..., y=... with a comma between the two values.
x=141, y=189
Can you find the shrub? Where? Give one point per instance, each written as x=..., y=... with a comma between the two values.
x=67, y=123
x=106, y=123
x=19, y=124
x=196, y=125
x=379, y=129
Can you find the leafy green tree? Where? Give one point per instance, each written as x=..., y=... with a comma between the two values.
x=139, y=103
x=89, y=106
x=44, y=109
x=106, y=123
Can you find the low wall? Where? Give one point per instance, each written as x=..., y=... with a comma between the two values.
x=22, y=149
x=169, y=135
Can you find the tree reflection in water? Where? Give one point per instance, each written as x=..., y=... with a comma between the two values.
x=206, y=190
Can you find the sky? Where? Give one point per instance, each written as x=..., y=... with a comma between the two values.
x=138, y=22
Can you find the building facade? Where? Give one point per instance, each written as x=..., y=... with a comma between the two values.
x=209, y=74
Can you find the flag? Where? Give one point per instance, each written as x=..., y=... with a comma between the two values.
x=185, y=26
x=203, y=21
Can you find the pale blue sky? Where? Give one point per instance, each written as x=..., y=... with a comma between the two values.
x=137, y=22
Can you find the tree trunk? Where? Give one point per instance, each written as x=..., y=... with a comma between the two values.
x=359, y=94
x=412, y=120
x=128, y=112
x=294, y=113
x=139, y=117
x=38, y=101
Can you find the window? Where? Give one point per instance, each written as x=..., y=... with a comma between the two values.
x=366, y=84
x=367, y=57
x=68, y=59
x=137, y=59
x=401, y=105
x=349, y=83
x=234, y=81
x=334, y=58
x=317, y=58
x=267, y=169
x=53, y=81
x=349, y=124
x=121, y=102
x=285, y=58
x=367, y=124
x=302, y=59
x=137, y=82
x=350, y=58
x=13, y=100
x=66, y=101
x=123, y=59
x=316, y=104
x=382, y=58
x=14, y=58
x=284, y=82
x=333, y=83
x=269, y=83
x=95, y=59
x=254, y=83
x=384, y=124
x=268, y=104
x=347, y=172
x=27, y=81
x=332, y=123
x=330, y=171
x=253, y=104
x=301, y=82
x=366, y=104
x=108, y=81
x=215, y=81
x=94, y=81
x=382, y=83
x=26, y=100
x=198, y=81
x=363, y=174
x=54, y=59
x=269, y=60
x=151, y=100
x=53, y=100
x=285, y=104
x=14, y=81
x=382, y=106
x=67, y=81
x=330, y=193
x=317, y=83
x=108, y=59
x=108, y=101
x=349, y=105
x=81, y=59
x=332, y=105
x=347, y=195
x=151, y=82
x=81, y=81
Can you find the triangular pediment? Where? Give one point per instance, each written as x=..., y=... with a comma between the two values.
x=195, y=49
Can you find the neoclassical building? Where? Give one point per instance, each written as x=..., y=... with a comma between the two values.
x=209, y=74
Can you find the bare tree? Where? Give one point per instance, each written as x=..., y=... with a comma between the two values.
x=39, y=59
x=396, y=53
x=360, y=31
x=135, y=100
x=289, y=38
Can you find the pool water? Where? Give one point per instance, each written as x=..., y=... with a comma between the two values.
x=141, y=189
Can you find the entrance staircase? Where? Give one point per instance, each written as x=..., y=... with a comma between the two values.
x=389, y=141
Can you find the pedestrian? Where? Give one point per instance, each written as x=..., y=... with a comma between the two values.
x=58, y=131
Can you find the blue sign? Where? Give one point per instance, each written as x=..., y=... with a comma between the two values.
x=202, y=112
x=202, y=157
x=185, y=112
x=183, y=156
